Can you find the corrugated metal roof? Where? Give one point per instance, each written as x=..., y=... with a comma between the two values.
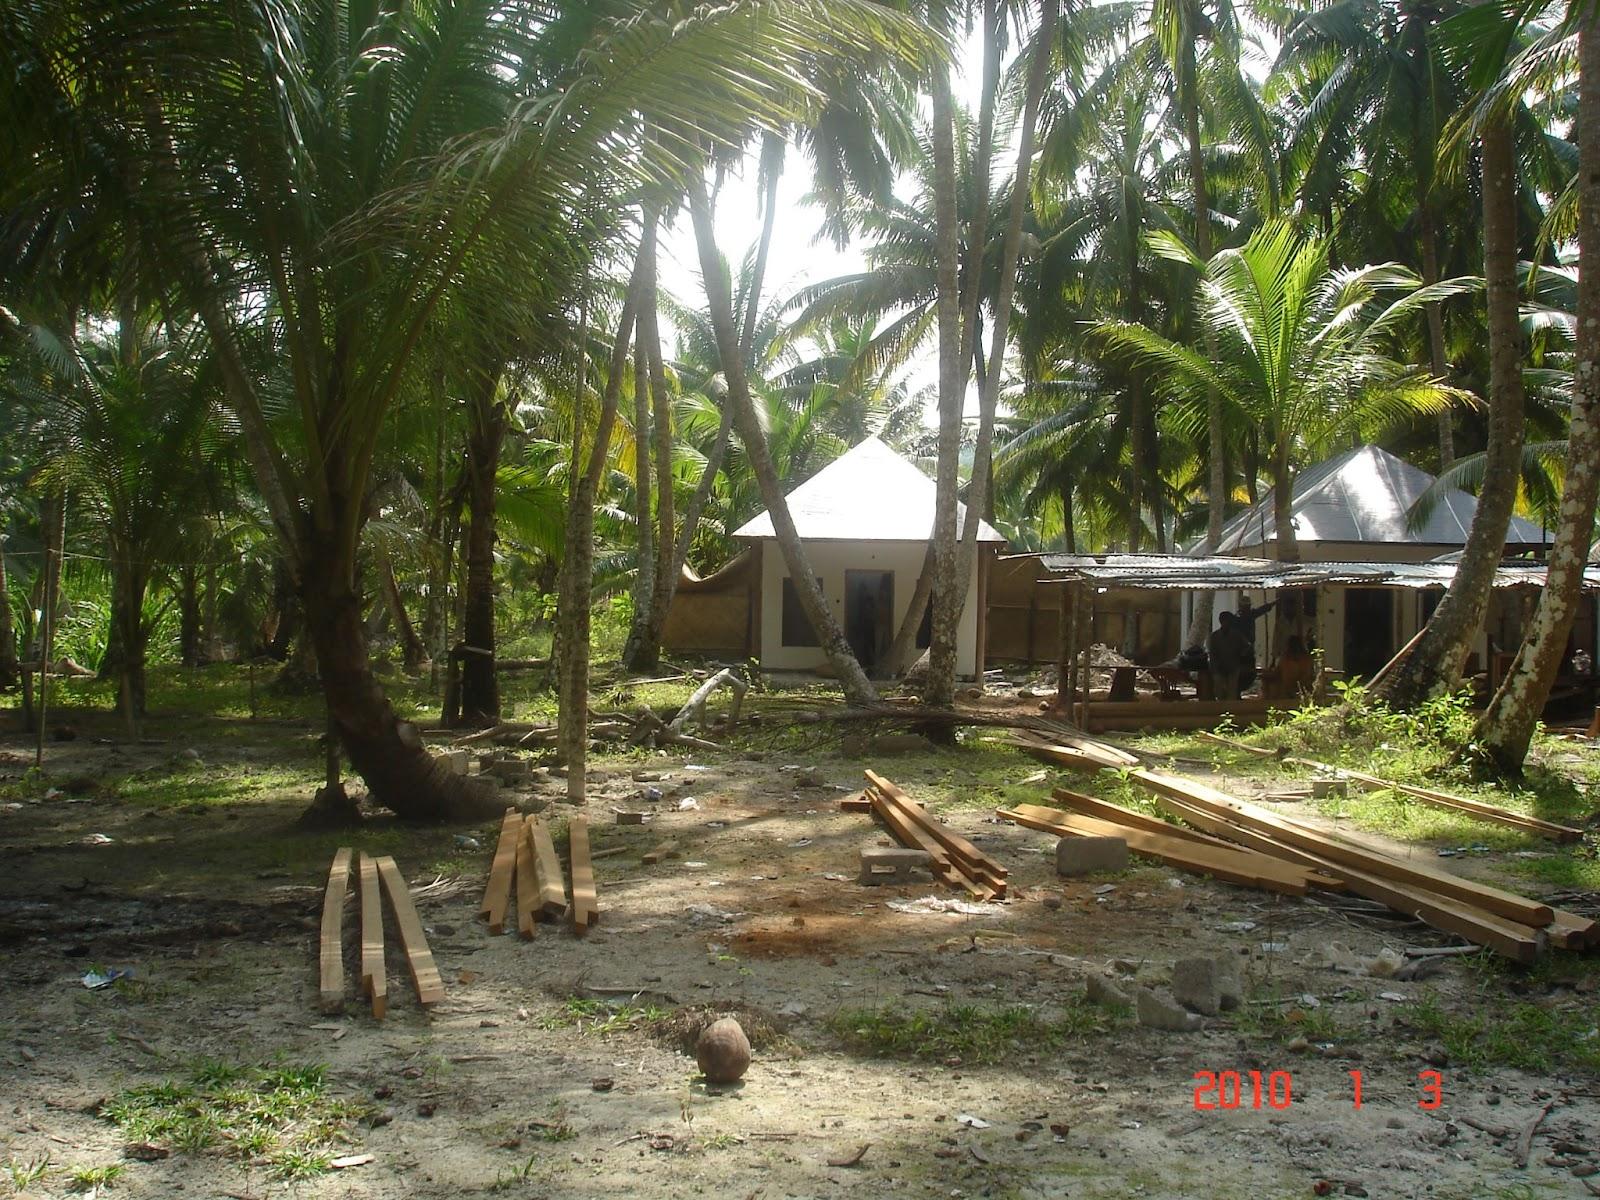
x=867, y=494
x=1180, y=572
x=1364, y=495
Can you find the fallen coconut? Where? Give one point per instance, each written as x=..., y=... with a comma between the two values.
x=723, y=1051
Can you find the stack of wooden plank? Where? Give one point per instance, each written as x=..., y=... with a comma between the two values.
x=525, y=865
x=1503, y=921
x=953, y=859
x=413, y=941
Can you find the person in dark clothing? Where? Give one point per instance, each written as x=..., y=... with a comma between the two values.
x=1228, y=651
x=1247, y=616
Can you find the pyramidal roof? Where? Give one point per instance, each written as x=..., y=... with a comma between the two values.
x=867, y=494
x=1364, y=495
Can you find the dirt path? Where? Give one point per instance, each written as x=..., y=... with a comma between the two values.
x=499, y=1088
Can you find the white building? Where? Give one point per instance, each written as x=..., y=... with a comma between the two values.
x=865, y=520
x=1355, y=508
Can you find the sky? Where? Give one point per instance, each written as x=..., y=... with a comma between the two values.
x=798, y=256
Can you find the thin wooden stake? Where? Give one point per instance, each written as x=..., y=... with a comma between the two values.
x=419, y=958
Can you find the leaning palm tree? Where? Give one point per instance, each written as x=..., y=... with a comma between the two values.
x=1302, y=349
x=331, y=177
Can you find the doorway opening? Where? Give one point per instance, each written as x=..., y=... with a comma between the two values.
x=1368, y=631
x=869, y=615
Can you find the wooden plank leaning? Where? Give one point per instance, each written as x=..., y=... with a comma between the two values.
x=585, y=909
x=374, y=976
x=331, y=944
x=419, y=958
x=546, y=868
x=497, y=894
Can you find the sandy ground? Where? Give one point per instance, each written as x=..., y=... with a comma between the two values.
x=495, y=1089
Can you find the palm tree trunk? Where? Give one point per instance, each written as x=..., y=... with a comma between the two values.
x=1507, y=725
x=480, y=688
x=577, y=581
x=1434, y=312
x=901, y=650
x=940, y=688
x=1435, y=664
x=667, y=564
x=385, y=751
x=189, y=617
x=852, y=679
x=1217, y=476
x=413, y=652
x=645, y=561
x=8, y=631
x=129, y=583
x=979, y=489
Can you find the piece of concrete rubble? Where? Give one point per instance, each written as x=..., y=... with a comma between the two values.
x=1101, y=990
x=1090, y=855
x=1206, y=985
x=1156, y=1012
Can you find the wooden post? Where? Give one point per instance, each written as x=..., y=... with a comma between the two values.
x=1066, y=650
x=1085, y=678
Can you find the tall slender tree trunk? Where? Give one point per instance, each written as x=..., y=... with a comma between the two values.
x=190, y=653
x=940, y=688
x=1217, y=463
x=130, y=580
x=413, y=652
x=667, y=563
x=1507, y=725
x=857, y=688
x=1434, y=313
x=902, y=650
x=9, y=672
x=646, y=564
x=486, y=433
x=1435, y=664
x=572, y=614
x=979, y=489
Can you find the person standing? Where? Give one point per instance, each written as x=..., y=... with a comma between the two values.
x=1228, y=650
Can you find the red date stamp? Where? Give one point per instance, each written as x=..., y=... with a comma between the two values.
x=1214, y=1090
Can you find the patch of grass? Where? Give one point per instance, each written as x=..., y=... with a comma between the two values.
x=1530, y=1037
x=1288, y=1020
x=602, y=1018
x=96, y=1179
x=971, y=1033
x=24, y=1174
x=282, y=1113
x=508, y=1178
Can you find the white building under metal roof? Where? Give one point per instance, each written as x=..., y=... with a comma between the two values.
x=865, y=520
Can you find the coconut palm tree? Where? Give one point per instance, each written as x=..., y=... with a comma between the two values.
x=333, y=177
x=1301, y=349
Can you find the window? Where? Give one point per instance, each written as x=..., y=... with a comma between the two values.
x=797, y=629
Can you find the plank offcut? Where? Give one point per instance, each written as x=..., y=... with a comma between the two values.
x=419, y=958
x=585, y=910
x=546, y=868
x=331, y=948
x=527, y=887
x=374, y=978
x=497, y=895
x=1231, y=865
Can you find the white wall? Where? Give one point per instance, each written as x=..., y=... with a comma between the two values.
x=829, y=561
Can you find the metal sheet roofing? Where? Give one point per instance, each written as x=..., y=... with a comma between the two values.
x=1178, y=572
x=1365, y=495
x=868, y=494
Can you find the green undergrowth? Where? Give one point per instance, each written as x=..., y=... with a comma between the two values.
x=283, y=1116
x=968, y=1033
x=601, y=1018
x=1522, y=1034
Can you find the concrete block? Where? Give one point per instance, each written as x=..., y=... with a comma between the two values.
x=454, y=761
x=1206, y=985
x=1088, y=855
x=629, y=818
x=1158, y=1013
x=890, y=864
x=1323, y=789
